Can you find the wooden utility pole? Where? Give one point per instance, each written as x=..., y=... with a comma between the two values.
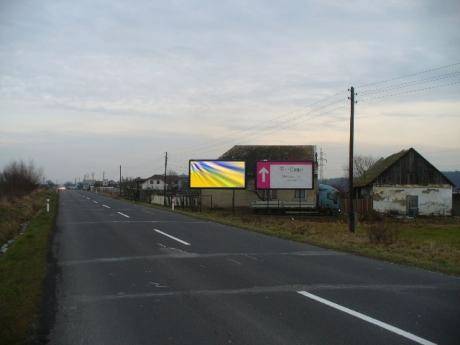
x=164, y=181
x=351, y=209
x=120, y=180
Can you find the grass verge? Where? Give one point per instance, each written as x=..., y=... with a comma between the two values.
x=17, y=211
x=429, y=243
x=22, y=272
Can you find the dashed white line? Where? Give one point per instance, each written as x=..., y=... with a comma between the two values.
x=105, y=206
x=368, y=319
x=124, y=215
x=172, y=237
x=95, y=202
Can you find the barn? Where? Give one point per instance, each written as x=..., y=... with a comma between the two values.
x=405, y=183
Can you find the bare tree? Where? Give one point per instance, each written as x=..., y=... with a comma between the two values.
x=361, y=164
x=19, y=178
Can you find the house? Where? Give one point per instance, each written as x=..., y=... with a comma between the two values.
x=405, y=183
x=272, y=198
x=156, y=182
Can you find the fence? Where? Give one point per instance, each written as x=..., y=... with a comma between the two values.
x=183, y=200
x=361, y=206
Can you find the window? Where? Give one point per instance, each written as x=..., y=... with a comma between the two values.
x=300, y=194
x=158, y=181
x=151, y=181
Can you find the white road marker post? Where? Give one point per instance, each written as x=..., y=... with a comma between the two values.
x=173, y=201
x=47, y=205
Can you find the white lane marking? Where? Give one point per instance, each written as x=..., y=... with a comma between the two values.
x=88, y=198
x=124, y=215
x=234, y=261
x=368, y=319
x=105, y=206
x=172, y=237
x=95, y=202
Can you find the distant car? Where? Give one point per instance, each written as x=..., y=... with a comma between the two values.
x=61, y=188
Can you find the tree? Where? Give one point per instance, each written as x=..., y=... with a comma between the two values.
x=19, y=178
x=361, y=164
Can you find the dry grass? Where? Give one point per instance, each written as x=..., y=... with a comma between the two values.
x=17, y=211
x=22, y=271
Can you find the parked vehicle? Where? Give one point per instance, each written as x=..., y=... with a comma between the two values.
x=329, y=199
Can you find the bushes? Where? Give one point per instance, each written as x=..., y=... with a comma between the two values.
x=15, y=212
x=381, y=232
x=18, y=179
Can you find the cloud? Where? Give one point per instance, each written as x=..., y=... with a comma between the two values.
x=183, y=74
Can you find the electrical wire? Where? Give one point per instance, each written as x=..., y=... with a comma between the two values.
x=285, y=126
x=276, y=121
x=409, y=75
x=409, y=91
x=411, y=83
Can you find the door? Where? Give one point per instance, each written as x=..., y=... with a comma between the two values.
x=412, y=205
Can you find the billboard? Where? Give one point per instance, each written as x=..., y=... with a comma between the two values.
x=284, y=175
x=217, y=174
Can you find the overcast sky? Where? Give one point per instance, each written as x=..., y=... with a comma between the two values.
x=88, y=85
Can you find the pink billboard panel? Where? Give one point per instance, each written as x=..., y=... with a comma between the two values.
x=284, y=175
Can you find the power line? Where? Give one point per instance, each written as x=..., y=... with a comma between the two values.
x=285, y=126
x=249, y=129
x=410, y=91
x=262, y=132
x=409, y=75
x=411, y=83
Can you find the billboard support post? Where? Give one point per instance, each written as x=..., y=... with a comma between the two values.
x=233, y=201
x=267, y=196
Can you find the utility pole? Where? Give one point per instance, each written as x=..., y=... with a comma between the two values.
x=120, y=180
x=164, y=181
x=351, y=209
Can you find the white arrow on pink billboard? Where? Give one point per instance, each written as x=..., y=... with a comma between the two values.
x=263, y=172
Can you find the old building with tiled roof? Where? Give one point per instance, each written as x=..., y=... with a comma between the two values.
x=406, y=183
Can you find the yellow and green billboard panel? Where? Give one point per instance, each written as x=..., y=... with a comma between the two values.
x=217, y=174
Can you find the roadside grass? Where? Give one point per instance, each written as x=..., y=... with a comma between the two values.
x=22, y=273
x=15, y=212
x=430, y=243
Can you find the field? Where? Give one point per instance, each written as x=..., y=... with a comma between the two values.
x=23, y=267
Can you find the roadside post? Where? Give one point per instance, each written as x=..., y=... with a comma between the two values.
x=47, y=205
x=173, y=201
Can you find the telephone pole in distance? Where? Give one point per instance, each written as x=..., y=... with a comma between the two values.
x=351, y=208
x=120, y=180
x=164, y=180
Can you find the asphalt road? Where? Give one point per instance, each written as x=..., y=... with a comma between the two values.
x=134, y=275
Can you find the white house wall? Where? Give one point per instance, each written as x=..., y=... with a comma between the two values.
x=432, y=200
x=146, y=185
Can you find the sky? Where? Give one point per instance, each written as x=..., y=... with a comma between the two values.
x=88, y=85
